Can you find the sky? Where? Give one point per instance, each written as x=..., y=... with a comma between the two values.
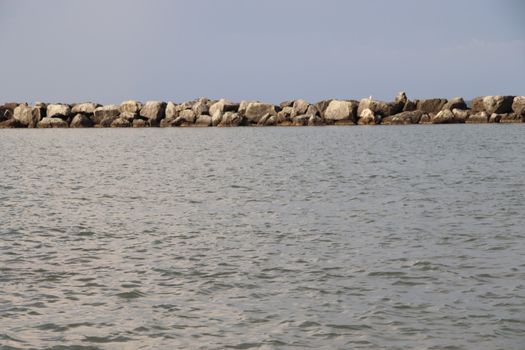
x=268, y=50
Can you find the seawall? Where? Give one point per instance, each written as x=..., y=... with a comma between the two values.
x=204, y=112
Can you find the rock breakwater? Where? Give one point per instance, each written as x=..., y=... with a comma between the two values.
x=204, y=112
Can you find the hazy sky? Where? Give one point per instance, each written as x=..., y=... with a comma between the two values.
x=271, y=50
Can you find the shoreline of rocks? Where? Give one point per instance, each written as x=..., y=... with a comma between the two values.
x=204, y=112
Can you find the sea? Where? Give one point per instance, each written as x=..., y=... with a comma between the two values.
x=381, y=237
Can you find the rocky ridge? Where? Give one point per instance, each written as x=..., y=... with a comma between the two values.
x=204, y=112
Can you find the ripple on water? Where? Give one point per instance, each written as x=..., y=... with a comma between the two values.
x=263, y=238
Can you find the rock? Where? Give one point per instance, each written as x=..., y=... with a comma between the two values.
x=218, y=108
x=130, y=106
x=401, y=98
x=498, y=104
x=367, y=117
x=255, y=111
x=478, y=118
x=286, y=104
x=40, y=109
x=270, y=120
x=455, y=103
x=153, y=111
x=203, y=120
x=426, y=119
x=410, y=106
x=511, y=118
x=518, y=105
x=129, y=116
x=321, y=106
x=11, y=124
x=81, y=121
x=315, y=120
x=494, y=118
x=300, y=107
x=121, y=123
x=379, y=108
x=477, y=105
x=399, y=103
x=300, y=120
x=140, y=123
x=201, y=107
x=27, y=116
x=52, y=122
x=108, y=121
x=460, y=115
x=172, y=110
x=108, y=113
x=432, y=105
x=58, y=111
x=169, y=122
x=443, y=117
x=312, y=111
x=403, y=118
x=7, y=110
x=338, y=110
x=84, y=108
x=231, y=119
x=187, y=116
x=243, y=106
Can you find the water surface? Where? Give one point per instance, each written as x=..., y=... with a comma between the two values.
x=405, y=237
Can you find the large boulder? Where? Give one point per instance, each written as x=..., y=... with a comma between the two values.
x=7, y=111
x=315, y=120
x=87, y=108
x=403, y=118
x=231, y=119
x=105, y=113
x=399, y=103
x=455, y=103
x=477, y=105
x=432, y=105
x=201, y=107
x=26, y=115
x=410, y=106
x=172, y=110
x=131, y=106
x=187, y=117
x=498, y=104
x=321, y=106
x=267, y=120
x=108, y=121
x=203, y=120
x=312, y=111
x=300, y=107
x=58, y=111
x=121, y=123
x=140, y=123
x=518, y=105
x=256, y=110
x=129, y=116
x=445, y=116
x=379, y=108
x=153, y=111
x=52, y=122
x=478, y=118
x=222, y=106
x=81, y=121
x=511, y=118
x=11, y=124
x=338, y=110
x=461, y=115
x=368, y=117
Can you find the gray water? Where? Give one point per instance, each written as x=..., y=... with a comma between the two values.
x=407, y=237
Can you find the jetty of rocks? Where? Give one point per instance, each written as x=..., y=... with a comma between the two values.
x=204, y=112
